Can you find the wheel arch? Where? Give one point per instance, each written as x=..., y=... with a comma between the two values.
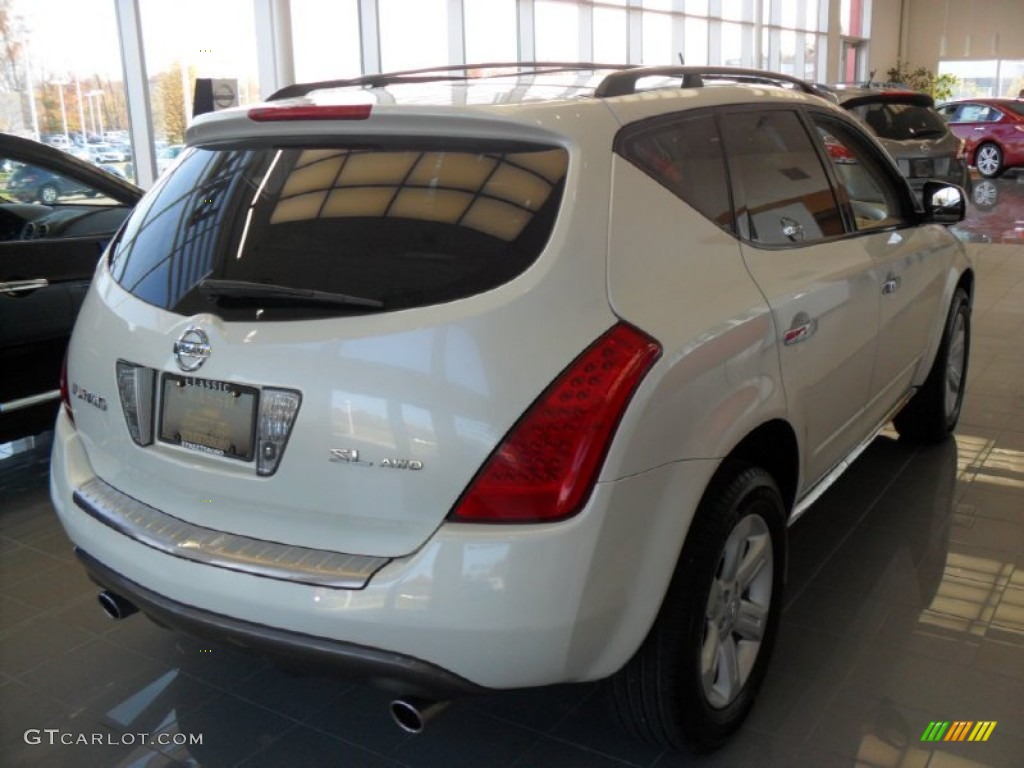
x=772, y=446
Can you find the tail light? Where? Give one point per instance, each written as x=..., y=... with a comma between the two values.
x=65, y=392
x=278, y=408
x=136, y=385
x=546, y=466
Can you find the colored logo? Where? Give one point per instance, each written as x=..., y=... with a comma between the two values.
x=959, y=730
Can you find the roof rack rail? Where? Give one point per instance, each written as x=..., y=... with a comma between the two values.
x=623, y=82
x=430, y=74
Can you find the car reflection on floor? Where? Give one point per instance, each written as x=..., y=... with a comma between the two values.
x=995, y=210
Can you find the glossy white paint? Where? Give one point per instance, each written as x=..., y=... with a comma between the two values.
x=504, y=606
x=511, y=606
x=682, y=279
x=827, y=375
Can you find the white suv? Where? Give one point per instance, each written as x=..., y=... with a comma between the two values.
x=504, y=379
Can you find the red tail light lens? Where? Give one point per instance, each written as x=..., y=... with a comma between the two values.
x=65, y=393
x=546, y=466
x=310, y=112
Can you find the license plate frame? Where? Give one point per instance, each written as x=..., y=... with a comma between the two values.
x=209, y=416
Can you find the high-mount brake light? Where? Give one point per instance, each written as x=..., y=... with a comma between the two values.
x=546, y=466
x=311, y=112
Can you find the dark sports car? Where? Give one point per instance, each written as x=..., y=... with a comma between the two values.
x=57, y=214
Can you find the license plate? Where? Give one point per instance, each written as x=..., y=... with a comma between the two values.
x=214, y=417
x=921, y=168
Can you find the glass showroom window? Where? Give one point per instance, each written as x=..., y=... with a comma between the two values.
x=985, y=78
x=413, y=33
x=737, y=45
x=610, y=36
x=490, y=30
x=63, y=92
x=695, y=35
x=657, y=39
x=793, y=37
x=556, y=31
x=325, y=39
x=180, y=49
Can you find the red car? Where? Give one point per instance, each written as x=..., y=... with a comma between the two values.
x=993, y=130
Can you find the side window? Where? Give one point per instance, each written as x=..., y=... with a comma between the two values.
x=867, y=187
x=685, y=157
x=972, y=113
x=783, y=196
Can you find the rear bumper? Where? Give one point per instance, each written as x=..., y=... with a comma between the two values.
x=476, y=607
x=404, y=674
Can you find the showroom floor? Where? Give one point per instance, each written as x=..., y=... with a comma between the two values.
x=905, y=606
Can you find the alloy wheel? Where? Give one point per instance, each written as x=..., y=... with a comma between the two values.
x=738, y=606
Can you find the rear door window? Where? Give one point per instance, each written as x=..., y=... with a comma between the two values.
x=782, y=193
x=684, y=155
x=900, y=121
x=274, y=232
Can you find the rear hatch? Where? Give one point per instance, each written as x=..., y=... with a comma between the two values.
x=916, y=136
x=320, y=341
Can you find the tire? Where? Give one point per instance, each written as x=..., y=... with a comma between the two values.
x=985, y=195
x=48, y=194
x=932, y=414
x=989, y=160
x=722, y=604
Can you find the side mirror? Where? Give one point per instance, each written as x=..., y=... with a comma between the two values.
x=943, y=203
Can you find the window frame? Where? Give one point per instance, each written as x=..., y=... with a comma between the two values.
x=907, y=214
x=818, y=149
x=910, y=209
x=642, y=127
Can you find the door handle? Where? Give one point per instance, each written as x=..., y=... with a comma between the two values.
x=792, y=229
x=891, y=285
x=21, y=286
x=803, y=328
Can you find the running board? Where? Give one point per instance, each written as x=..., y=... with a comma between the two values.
x=818, y=489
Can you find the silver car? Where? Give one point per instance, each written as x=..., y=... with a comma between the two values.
x=911, y=130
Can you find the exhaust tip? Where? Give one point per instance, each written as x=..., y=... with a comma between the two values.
x=115, y=606
x=412, y=714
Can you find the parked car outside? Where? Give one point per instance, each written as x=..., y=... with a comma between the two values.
x=33, y=183
x=56, y=217
x=108, y=153
x=511, y=389
x=907, y=124
x=165, y=156
x=993, y=130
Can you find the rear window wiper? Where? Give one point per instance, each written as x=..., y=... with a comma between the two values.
x=213, y=288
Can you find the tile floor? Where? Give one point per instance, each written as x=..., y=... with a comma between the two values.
x=905, y=606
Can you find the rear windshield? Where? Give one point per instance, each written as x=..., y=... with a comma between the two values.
x=397, y=226
x=899, y=122
x=1015, y=106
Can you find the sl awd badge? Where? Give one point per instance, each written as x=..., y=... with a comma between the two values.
x=351, y=456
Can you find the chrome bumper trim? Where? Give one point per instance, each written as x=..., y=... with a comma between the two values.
x=156, y=529
x=28, y=402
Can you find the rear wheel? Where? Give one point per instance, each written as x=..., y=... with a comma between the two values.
x=48, y=194
x=932, y=414
x=694, y=679
x=989, y=160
